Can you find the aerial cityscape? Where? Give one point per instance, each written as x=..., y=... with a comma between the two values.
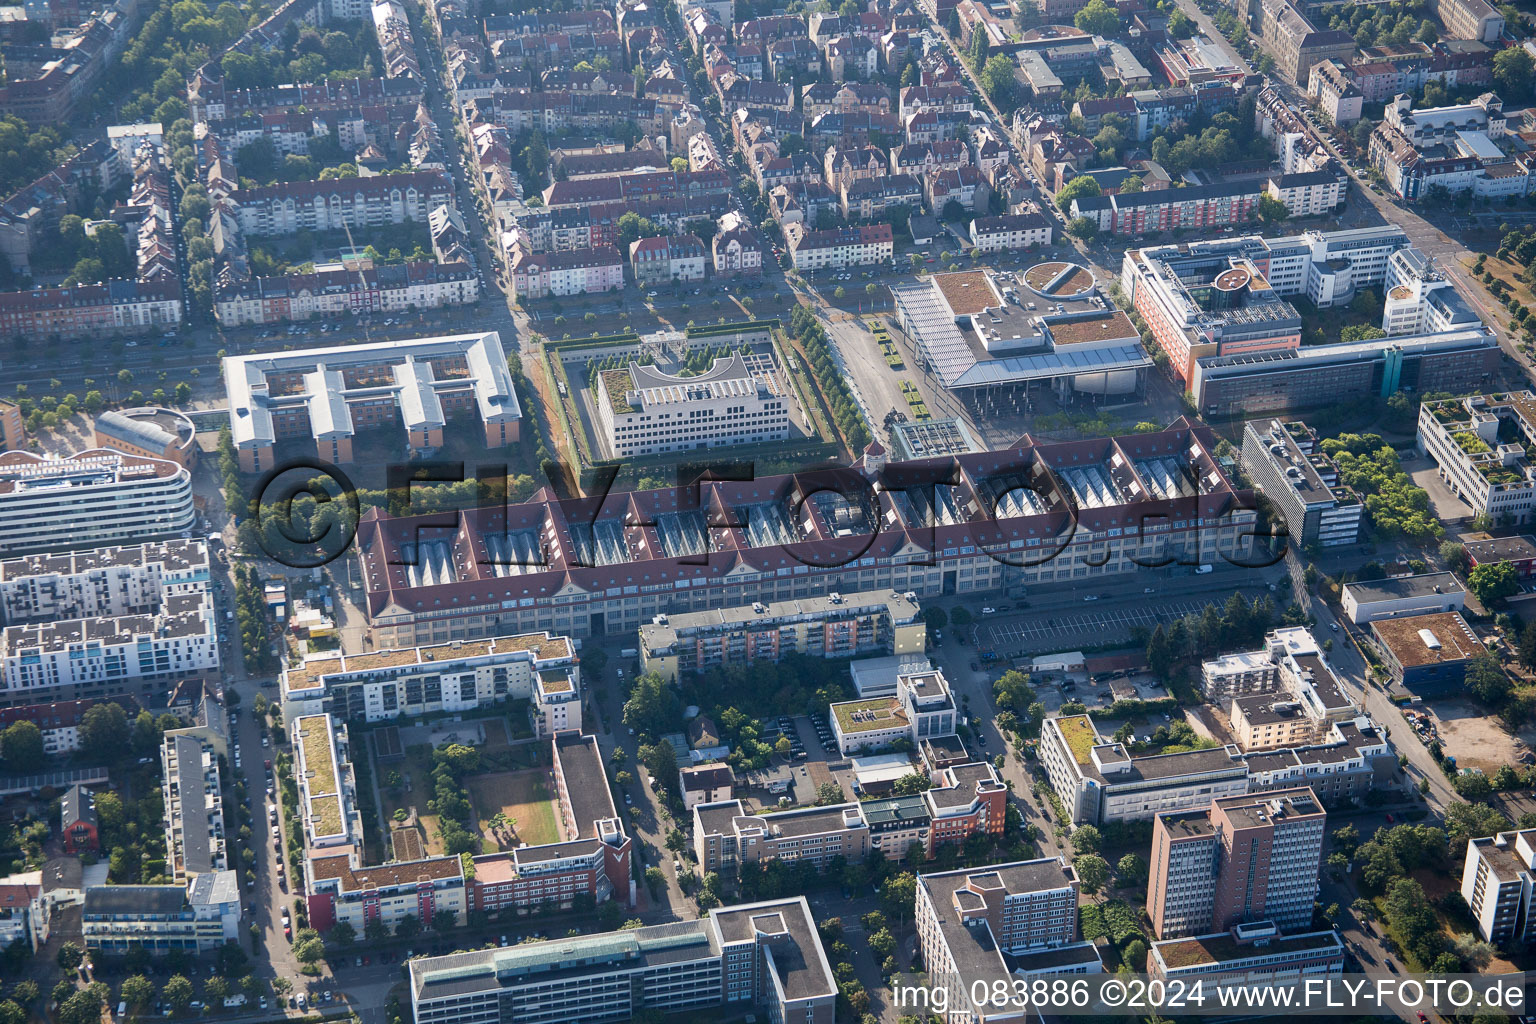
x=903, y=512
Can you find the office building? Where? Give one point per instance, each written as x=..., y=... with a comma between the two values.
x=1287, y=466
x=835, y=626
x=328, y=394
x=1426, y=653
x=1424, y=594
x=453, y=677
x=765, y=955
x=1496, y=882
x=592, y=861
x=148, y=432
x=1248, y=954
x=90, y=499
x=1243, y=859
x=194, y=808
x=1285, y=695
x=996, y=924
x=726, y=838
x=738, y=400
x=1478, y=443
x=922, y=708
x=988, y=532
x=1454, y=148
x=1421, y=300
x=198, y=917
x=1484, y=549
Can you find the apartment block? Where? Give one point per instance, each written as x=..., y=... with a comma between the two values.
x=738, y=400
x=1244, y=859
x=342, y=203
x=766, y=955
x=1496, y=882
x=103, y=582
x=980, y=926
x=1479, y=446
x=726, y=837
x=1286, y=464
x=453, y=677
x=588, y=271
x=922, y=708
x=334, y=289
x=198, y=917
x=834, y=626
x=90, y=499
x=194, y=808
x=839, y=247
x=1285, y=695
x=666, y=259
x=1010, y=231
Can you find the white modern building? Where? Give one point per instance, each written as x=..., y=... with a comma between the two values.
x=839, y=247
x=738, y=400
x=1420, y=299
x=922, y=708
x=1497, y=881
x=198, y=917
x=1250, y=954
x=103, y=582
x=1010, y=231
x=1462, y=436
x=458, y=676
x=1428, y=593
x=90, y=499
x=194, y=808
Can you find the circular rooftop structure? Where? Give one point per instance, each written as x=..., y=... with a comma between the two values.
x=1233, y=279
x=1060, y=280
x=1053, y=32
x=149, y=430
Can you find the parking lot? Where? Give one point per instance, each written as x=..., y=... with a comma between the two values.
x=1052, y=632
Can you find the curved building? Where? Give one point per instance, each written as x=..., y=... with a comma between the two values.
x=91, y=499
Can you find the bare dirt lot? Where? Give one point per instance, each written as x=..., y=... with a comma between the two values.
x=1471, y=736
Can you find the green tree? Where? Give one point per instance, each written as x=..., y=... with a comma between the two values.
x=935, y=617
x=70, y=957
x=137, y=991
x=1486, y=679
x=104, y=730
x=1512, y=69
x=1272, y=211
x=21, y=746
x=177, y=991
x=1099, y=19
x=829, y=793
x=1085, y=228
x=652, y=705
x=1081, y=187
x=1133, y=867
x=1086, y=839
x=1092, y=872
x=1494, y=581
x=998, y=79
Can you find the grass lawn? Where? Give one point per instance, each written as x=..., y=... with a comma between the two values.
x=415, y=791
x=523, y=796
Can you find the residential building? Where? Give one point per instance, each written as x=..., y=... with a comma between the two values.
x=336, y=885
x=577, y=272
x=593, y=861
x=77, y=821
x=1426, y=653
x=59, y=722
x=1469, y=19
x=92, y=310
x=873, y=198
x=1332, y=84
x=839, y=247
x=1424, y=594
x=1283, y=696
x=738, y=400
x=1247, y=955
x=198, y=917
x=452, y=677
x=765, y=955
x=737, y=253
x=1244, y=858
x=706, y=784
x=1285, y=463
x=1010, y=231
x=1196, y=207
x=24, y=911
x=194, y=808
x=327, y=394
x=1496, y=882
x=726, y=838
x=101, y=583
x=341, y=203
x=1464, y=437
x=666, y=259
x=1310, y=193
x=334, y=289
x=599, y=549
x=992, y=925
x=834, y=626
x=923, y=707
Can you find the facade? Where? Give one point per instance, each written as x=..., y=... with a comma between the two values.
x=334, y=290
x=89, y=499
x=92, y=310
x=705, y=784
x=667, y=258
x=1331, y=83
x=198, y=917
x=981, y=926
x=1285, y=463
x=1496, y=882
x=1194, y=208
x=337, y=887
x=1028, y=536
x=1243, y=859
x=839, y=247
x=737, y=253
x=593, y=861
x=726, y=838
x=1420, y=299
x=382, y=685
x=1310, y=193
x=194, y=808
x=328, y=394
x=834, y=626
x=342, y=203
x=922, y=708
x=1426, y=653
x=766, y=955
x=584, y=271
x=1248, y=954
x=58, y=720
x=738, y=400
x=77, y=821
x=1463, y=437
x=1010, y=231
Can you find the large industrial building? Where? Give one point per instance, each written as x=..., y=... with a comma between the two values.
x=329, y=394
x=1037, y=513
x=988, y=344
